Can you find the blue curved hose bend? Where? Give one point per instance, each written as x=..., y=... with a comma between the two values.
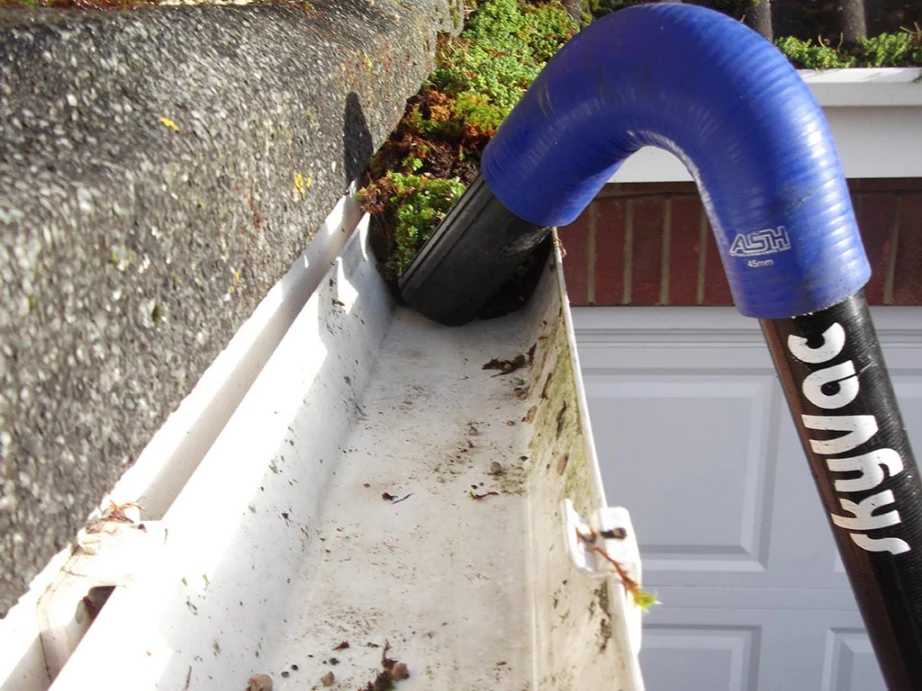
x=731, y=107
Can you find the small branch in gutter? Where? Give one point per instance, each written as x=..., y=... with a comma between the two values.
x=642, y=599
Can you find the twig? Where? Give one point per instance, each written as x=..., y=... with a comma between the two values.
x=632, y=586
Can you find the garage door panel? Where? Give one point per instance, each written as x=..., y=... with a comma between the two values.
x=849, y=663
x=803, y=552
x=716, y=657
x=767, y=598
x=908, y=390
x=695, y=438
x=793, y=649
x=698, y=355
x=716, y=484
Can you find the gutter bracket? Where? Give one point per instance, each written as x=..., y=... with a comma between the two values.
x=108, y=554
x=608, y=536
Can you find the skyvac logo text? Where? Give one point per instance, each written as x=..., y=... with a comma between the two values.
x=760, y=243
x=867, y=514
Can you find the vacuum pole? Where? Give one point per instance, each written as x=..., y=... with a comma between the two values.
x=839, y=392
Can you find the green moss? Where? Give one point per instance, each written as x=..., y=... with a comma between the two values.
x=418, y=203
x=435, y=151
x=892, y=50
x=809, y=55
x=557, y=443
x=487, y=69
x=599, y=8
x=903, y=49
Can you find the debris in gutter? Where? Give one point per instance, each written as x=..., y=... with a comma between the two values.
x=546, y=384
x=562, y=463
x=474, y=495
x=114, y=514
x=399, y=671
x=590, y=537
x=507, y=366
x=260, y=682
x=496, y=468
x=341, y=646
x=392, y=498
x=560, y=414
x=96, y=598
x=328, y=679
x=382, y=682
x=614, y=534
x=393, y=670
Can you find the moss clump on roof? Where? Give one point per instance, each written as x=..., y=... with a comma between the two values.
x=487, y=69
x=435, y=151
x=593, y=9
x=903, y=49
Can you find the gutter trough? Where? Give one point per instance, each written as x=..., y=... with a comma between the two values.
x=378, y=496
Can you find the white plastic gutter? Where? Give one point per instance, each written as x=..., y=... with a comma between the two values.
x=374, y=486
x=176, y=450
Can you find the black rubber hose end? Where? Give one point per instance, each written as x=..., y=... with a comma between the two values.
x=474, y=251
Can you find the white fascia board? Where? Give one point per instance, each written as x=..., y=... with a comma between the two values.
x=875, y=115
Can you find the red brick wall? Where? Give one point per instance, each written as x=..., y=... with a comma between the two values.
x=650, y=244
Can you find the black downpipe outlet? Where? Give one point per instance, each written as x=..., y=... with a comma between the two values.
x=470, y=256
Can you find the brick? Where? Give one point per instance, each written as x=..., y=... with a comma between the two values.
x=575, y=241
x=646, y=259
x=884, y=185
x=907, y=275
x=684, y=249
x=647, y=189
x=716, y=287
x=875, y=213
x=609, y=252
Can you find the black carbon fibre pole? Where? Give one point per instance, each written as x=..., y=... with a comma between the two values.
x=839, y=392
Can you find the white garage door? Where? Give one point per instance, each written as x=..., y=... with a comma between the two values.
x=694, y=438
